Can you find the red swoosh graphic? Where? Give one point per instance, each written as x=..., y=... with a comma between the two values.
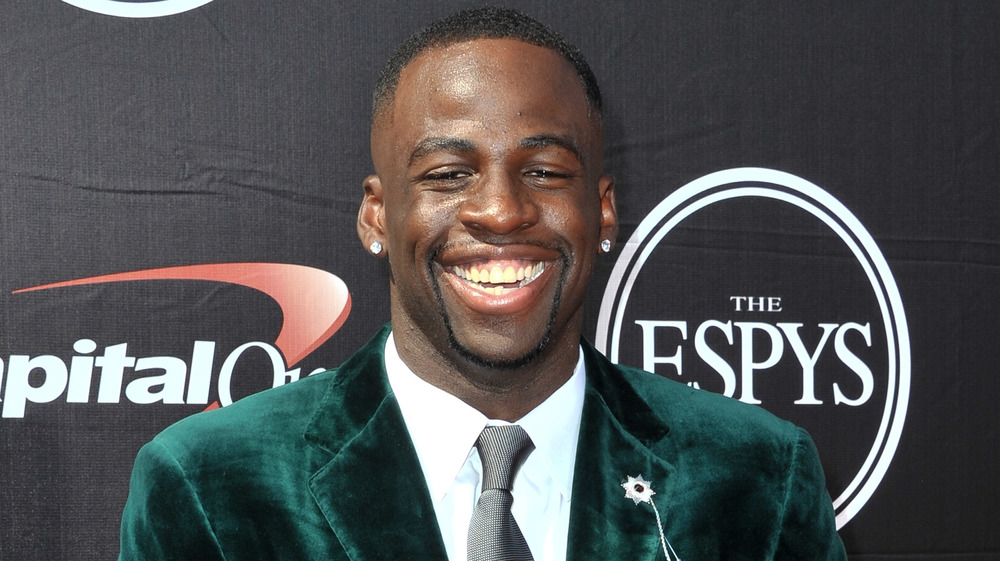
x=313, y=302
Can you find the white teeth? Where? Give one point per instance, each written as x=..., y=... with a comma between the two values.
x=498, y=275
x=509, y=275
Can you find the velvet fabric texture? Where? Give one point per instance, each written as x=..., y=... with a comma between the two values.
x=323, y=468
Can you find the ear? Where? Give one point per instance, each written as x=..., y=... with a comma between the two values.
x=371, y=215
x=609, y=212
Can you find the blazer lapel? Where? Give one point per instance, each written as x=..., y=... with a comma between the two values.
x=620, y=436
x=372, y=490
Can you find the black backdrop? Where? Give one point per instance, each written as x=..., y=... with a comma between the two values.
x=237, y=132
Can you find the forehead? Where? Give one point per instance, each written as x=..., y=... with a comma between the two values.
x=489, y=85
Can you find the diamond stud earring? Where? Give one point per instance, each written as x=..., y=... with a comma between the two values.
x=375, y=247
x=605, y=245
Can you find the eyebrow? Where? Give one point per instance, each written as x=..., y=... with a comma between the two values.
x=440, y=144
x=544, y=141
x=452, y=144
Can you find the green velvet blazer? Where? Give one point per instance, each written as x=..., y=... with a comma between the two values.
x=323, y=468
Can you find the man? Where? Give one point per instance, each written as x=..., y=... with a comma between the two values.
x=490, y=203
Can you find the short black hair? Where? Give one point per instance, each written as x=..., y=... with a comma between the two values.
x=486, y=22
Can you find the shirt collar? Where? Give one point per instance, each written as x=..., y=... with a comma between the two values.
x=444, y=428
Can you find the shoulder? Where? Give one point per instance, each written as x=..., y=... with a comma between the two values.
x=692, y=408
x=262, y=423
x=698, y=419
x=725, y=456
x=273, y=424
x=712, y=436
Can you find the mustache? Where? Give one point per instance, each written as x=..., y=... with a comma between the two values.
x=564, y=255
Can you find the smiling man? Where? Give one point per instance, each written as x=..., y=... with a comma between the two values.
x=479, y=424
x=490, y=203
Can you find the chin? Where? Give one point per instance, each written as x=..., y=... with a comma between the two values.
x=494, y=361
x=515, y=353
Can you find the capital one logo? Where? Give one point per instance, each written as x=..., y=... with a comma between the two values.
x=760, y=285
x=143, y=9
x=314, y=304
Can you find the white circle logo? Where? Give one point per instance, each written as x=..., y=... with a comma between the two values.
x=864, y=374
x=151, y=9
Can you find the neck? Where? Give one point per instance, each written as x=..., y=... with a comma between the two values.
x=498, y=393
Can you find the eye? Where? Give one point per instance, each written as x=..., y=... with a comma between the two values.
x=446, y=175
x=446, y=178
x=547, y=178
x=547, y=173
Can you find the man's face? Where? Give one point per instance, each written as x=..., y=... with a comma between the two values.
x=489, y=200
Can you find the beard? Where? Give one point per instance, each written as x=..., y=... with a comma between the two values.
x=504, y=363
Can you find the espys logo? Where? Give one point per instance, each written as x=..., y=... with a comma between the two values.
x=314, y=305
x=141, y=9
x=759, y=285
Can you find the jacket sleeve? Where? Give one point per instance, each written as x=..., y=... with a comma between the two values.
x=808, y=528
x=163, y=517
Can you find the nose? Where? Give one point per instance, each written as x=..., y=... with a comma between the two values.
x=498, y=204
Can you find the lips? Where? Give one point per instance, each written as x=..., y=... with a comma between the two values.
x=499, y=278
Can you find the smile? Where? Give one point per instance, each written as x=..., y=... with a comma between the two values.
x=500, y=278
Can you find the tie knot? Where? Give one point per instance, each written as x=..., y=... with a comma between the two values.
x=502, y=449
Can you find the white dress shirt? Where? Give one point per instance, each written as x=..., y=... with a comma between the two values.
x=444, y=430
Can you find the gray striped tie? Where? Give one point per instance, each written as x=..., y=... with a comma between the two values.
x=493, y=533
